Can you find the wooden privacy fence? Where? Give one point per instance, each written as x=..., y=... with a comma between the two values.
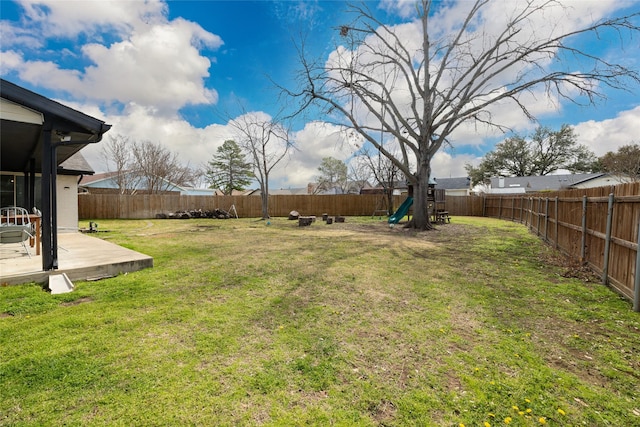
x=110, y=206
x=113, y=206
x=598, y=226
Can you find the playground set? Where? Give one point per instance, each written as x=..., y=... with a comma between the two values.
x=436, y=206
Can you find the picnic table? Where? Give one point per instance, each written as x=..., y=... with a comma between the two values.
x=442, y=216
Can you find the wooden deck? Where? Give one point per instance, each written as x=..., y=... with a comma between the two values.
x=80, y=256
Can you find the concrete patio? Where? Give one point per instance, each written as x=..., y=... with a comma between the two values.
x=80, y=256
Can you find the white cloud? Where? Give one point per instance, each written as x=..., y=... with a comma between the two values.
x=16, y=36
x=402, y=8
x=148, y=60
x=54, y=18
x=159, y=67
x=45, y=73
x=611, y=134
x=314, y=142
x=195, y=146
x=11, y=60
x=447, y=165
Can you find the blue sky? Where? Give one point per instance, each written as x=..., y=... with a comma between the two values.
x=175, y=72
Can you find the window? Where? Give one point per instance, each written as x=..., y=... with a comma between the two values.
x=7, y=190
x=12, y=191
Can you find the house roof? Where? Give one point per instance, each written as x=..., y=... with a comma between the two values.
x=97, y=177
x=75, y=165
x=108, y=180
x=545, y=182
x=404, y=184
x=23, y=116
x=453, y=183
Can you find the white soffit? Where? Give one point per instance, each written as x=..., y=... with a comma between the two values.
x=17, y=113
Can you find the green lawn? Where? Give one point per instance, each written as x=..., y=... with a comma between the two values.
x=244, y=323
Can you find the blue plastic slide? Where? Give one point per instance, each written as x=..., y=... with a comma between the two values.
x=402, y=211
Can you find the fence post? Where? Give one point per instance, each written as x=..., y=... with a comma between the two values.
x=500, y=207
x=557, y=222
x=531, y=203
x=607, y=242
x=539, y=210
x=530, y=220
x=546, y=219
x=583, y=244
x=636, y=285
x=513, y=208
x=484, y=205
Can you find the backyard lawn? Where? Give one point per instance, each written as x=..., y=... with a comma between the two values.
x=244, y=322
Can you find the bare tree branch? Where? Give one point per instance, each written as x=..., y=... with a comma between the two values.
x=267, y=143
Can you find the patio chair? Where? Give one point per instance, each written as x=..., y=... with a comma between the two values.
x=15, y=226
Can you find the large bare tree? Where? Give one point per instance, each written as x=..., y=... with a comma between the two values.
x=449, y=73
x=267, y=143
x=144, y=166
x=158, y=167
x=118, y=157
x=385, y=172
x=359, y=175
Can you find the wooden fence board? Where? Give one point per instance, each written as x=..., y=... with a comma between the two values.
x=571, y=237
x=111, y=206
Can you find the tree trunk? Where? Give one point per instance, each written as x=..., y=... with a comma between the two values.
x=421, y=220
x=389, y=197
x=264, y=194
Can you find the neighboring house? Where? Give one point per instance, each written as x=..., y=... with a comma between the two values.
x=39, y=165
x=107, y=183
x=602, y=180
x=454, y=186
x=399, y=188
x=402, y=187
x=533, y=184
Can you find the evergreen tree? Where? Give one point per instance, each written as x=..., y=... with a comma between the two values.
x=228, y=170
